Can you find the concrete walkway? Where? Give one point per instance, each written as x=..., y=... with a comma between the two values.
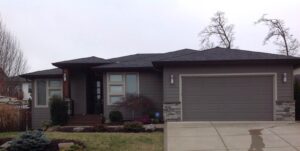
x=232, y=136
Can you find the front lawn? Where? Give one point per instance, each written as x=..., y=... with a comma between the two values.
x=110, y=141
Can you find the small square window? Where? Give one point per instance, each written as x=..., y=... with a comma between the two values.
x=54, y=83
x=116, y=78
x=115, y=99
x=53, y=93
x=98, y=84
x=116, y=89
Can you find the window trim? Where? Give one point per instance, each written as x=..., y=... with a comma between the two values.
x=123, y=83
x=48, y=88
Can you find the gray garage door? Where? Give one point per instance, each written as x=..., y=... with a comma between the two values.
x=227, y=98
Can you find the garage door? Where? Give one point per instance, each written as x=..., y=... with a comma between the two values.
x=228, y=98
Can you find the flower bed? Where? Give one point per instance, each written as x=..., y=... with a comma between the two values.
x=109, y=128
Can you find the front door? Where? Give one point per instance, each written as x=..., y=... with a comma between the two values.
x=94, y=94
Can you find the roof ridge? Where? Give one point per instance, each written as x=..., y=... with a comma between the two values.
x=80, y=58
x=133, y=59
x=195, y=51
x=267, y=53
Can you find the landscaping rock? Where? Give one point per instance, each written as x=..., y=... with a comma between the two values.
x=149, y=127
x=5, y=145
x=78, y=129
x=64, y=146
x=53, y=128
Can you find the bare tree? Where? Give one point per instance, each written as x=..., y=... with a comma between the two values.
x=218, y=29
x=287, y=44
x=12, y=60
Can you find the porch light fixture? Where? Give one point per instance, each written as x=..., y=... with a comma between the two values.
x=65, y=77
x=284, y=77
x=171, y=79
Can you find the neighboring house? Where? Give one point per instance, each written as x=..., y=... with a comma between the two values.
x=186, y=85
x=26, y=89
x=15, y=87
x=3, y=77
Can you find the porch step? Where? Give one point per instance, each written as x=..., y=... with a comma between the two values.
x=84, y=120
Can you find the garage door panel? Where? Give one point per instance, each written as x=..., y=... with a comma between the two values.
x=226, y=117
x=227, y=98
x=236, y=100
x=233, y=107
x=225, y=90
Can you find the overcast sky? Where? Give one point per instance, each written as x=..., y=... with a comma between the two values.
x=55, y=30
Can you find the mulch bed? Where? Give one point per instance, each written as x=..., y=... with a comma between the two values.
x=100, y=128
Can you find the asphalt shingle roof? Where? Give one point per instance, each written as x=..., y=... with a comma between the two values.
x=224, y=54
x=147, y=60
x=48, y=72
x=142, y=60
x=87, y=60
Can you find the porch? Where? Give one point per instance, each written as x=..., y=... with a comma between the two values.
x=82, y=88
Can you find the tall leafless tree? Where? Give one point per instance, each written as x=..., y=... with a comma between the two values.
x=286, y=42
x=12, y=60
x=219, y=29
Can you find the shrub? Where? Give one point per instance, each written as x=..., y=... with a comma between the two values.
x=9, y=118
x=133, y=127
x=137, y=104
x=58, y=111
x=100, y=128
x=30, y=141
x=115, y=116
x=46, y=125
x=144, y=119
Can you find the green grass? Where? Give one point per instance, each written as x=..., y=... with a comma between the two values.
x=110, y=141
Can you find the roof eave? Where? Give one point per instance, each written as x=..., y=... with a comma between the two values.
x=121, y=68
x=72, y=65
x=295, y=62
x=26, y=76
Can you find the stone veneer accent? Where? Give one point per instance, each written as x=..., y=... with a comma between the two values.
x=284, y=110
x=172, y=111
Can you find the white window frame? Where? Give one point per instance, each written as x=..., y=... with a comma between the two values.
x=48, y=88
x=123, y=83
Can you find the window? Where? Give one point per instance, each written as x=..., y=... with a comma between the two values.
x=115, y=78
x=116, y=89
x=54, y=83
x=98, y=90
x=120, y=85
x=54, y=88
x=41, y=93
x=45, y=90
x=131, y=84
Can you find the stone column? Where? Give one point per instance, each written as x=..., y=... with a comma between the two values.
x=284, y=110
x=172, y=111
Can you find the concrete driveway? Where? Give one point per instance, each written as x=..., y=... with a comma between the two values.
x=232, y=136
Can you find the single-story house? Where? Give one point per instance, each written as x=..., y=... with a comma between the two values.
x=216, y=84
